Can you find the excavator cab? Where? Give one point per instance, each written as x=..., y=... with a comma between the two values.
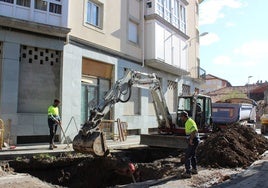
x=198, y=108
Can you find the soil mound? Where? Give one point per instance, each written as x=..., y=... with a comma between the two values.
x=236, y=146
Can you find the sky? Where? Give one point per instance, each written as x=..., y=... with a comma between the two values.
x=236, y=46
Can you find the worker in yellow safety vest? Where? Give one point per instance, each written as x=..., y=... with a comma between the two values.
x=53, y=122
x=191, y=131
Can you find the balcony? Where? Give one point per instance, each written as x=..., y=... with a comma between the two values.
x=18, y=24
x=164, y=48
x=48, y=12
x=172, y=13
x=160, y=65
x=200, y=75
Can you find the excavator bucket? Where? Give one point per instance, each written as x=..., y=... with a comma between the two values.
x=93, y=143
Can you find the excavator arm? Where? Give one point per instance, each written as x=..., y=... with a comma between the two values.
x=91, y=139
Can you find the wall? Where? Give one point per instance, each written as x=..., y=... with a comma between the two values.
x=21, y=123
x=71, y=84
x=193, y=42
x=112, y=35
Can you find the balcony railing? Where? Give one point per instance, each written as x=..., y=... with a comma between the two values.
x=202, y=73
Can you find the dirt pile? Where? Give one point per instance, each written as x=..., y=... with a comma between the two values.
x=236, y=146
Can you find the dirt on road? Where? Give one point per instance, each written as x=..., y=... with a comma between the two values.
x=220, y=156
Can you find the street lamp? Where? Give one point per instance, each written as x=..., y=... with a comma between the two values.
x=203, y=34
x=188, y=42
x=248, y=94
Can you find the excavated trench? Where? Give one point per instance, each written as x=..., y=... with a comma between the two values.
x=76, y=170
x=230, y=148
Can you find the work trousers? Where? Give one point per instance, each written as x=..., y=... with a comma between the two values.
x=190, y=155
x=52, y=130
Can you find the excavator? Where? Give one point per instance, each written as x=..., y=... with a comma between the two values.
x=91, y=139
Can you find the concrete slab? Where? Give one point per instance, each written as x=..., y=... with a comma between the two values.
x=33, y=149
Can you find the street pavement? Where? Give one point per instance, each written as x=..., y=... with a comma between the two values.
x=256, y=176
x=8, y=153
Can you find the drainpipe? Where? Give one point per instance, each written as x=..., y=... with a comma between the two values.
x=142, y=30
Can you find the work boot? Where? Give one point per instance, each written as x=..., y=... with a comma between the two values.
x=194, y=171
x=186, y=175
x=51, y=146
x=54, y=146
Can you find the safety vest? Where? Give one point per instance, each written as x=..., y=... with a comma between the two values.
x=190, y=126
x=53, y=111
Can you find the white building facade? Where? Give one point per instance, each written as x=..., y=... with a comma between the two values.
x=32, y=37
x=76, y=50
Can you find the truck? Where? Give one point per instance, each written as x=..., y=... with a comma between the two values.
x=91, y=138
x=233, y=111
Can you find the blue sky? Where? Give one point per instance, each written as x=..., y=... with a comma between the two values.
x=237, y=44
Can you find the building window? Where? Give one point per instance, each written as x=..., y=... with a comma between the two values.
x=25, y=3
x=172, y=95
x=167, y=8
x=133, y=31
x=160, y=7
x=54, y=8
x=185, y=89
x=94, y=14
x=40, y=5
x=8, y=1
x=175, y=14
x=92, y=94
x=182, y=19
